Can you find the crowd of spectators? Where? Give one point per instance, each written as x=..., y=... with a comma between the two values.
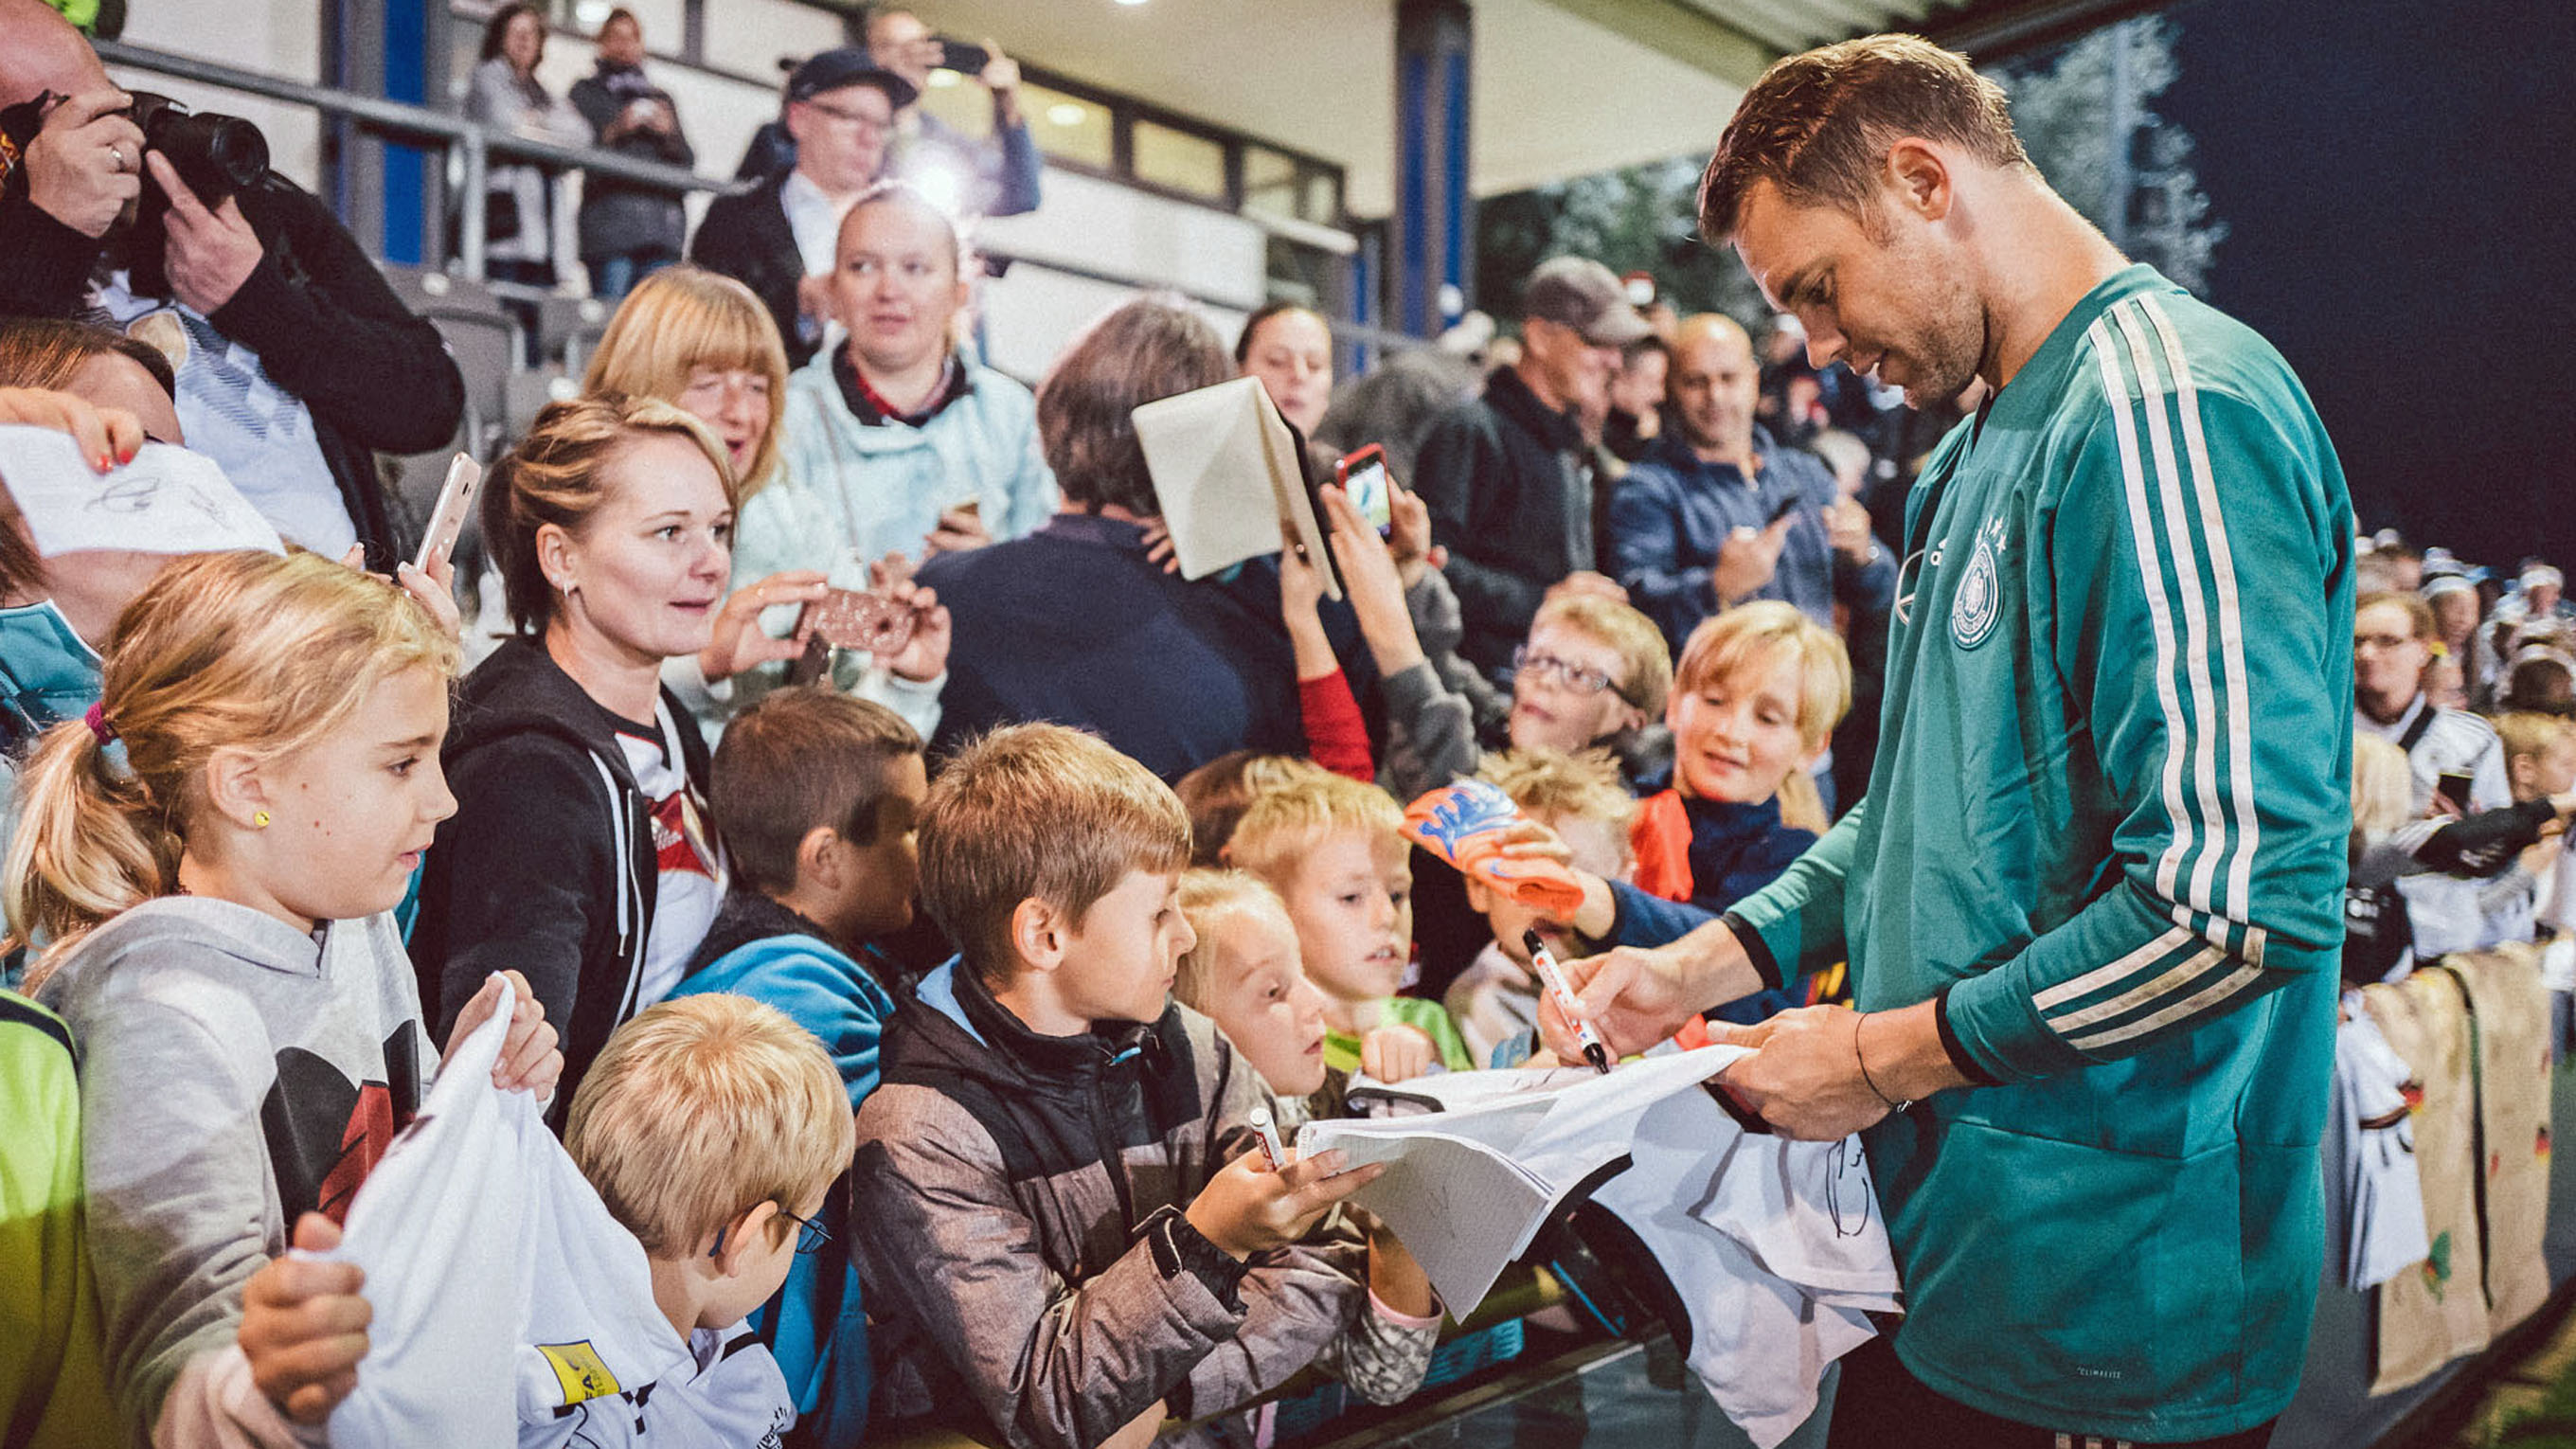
x=297, y=808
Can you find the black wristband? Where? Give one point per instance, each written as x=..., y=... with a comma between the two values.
x=1956, y=1050
x=1756, y=950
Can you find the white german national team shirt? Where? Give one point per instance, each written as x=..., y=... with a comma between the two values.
x=730, y=1393
x=491, y=1265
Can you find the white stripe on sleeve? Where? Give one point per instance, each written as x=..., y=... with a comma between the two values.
x=2231, y=629
x=2142, y=532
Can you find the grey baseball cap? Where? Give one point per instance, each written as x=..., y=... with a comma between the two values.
x=1580, y=293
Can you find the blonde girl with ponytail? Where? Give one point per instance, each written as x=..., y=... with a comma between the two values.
x=210, y=861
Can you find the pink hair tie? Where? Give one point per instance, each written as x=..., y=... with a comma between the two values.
x=99, y=729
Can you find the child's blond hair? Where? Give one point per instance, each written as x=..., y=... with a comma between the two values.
x=1645, y=661
x=1282, y=824
x=1209, y=898
x=703, y=1107
x=684, y=318
x=1752, y=636
x=1217, y=792
x=238, y=650
x=1038, y=811
x=1545, y=782
x=2528, y=735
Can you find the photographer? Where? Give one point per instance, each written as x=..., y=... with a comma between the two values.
x=295, y=361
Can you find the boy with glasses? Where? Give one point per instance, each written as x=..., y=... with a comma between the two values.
x=1592, y=674
x=712, y=1127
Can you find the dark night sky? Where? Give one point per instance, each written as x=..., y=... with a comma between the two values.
x=2397, y=178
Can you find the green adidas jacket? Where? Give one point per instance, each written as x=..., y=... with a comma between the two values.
x=2106, y=825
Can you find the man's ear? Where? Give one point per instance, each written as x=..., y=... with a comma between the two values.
x=1920, y=178
x=1039, y=934
x=236, y=788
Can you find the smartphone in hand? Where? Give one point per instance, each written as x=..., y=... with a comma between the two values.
x=1362, y=476
x=447, y=519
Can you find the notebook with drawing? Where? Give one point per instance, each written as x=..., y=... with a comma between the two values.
x=1229, y=474
x=1498, y=1154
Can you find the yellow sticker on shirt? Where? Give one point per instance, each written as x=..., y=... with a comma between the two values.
x=579, y=1369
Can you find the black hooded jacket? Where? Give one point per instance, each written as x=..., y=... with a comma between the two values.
x=548, y=864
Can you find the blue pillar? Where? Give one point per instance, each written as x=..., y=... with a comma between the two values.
x=1432, y=248
x=408, y=69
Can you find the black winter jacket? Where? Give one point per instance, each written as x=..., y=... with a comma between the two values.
x=1512, y=496
x=327, y=328
x=548, y=864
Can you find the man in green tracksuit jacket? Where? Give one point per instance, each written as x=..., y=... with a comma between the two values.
x=2092, y=901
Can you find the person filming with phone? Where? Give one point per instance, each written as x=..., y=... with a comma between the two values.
x=1716, y=513
x=995, y=176
x=296, y=363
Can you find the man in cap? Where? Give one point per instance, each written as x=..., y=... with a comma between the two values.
x=1508, y=477
x=773, y=238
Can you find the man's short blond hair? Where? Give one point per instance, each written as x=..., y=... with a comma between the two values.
x=1553, y=784
x=1281, y=825
x=702, y=1108
x=1038, y=812
x=1210, y=898
x=1645, y=661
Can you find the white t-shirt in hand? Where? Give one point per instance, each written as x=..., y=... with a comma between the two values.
x=1775, y=1247
x=491, y=1264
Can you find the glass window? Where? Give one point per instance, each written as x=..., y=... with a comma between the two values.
x=1270, y=182
x=1067, y=127
x=959, y=104
x=1179, y=160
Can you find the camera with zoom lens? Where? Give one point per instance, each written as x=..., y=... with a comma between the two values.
x=215, y=155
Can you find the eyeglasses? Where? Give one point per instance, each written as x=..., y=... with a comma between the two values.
x=867, y=125
x=1547, y=668
x=811, y=1235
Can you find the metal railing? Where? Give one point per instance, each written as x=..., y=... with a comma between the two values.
x=476, y=144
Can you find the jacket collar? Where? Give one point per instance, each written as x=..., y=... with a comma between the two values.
x=1511, y=398
x=958, y=993
x=2019, y=406
x=1674, y=451
x=1091, y=528
x=873, y=411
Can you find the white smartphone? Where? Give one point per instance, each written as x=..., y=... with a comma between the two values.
x=447, y=520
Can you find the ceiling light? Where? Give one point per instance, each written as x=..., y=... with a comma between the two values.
x=1131, y=2
x=1067, y=113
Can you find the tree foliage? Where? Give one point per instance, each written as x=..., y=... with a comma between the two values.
x=1642, y=218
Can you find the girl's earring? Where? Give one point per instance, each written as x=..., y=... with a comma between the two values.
x=259, y=820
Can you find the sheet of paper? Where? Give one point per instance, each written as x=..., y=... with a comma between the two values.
x=168, y=500
x=1464, y=1209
